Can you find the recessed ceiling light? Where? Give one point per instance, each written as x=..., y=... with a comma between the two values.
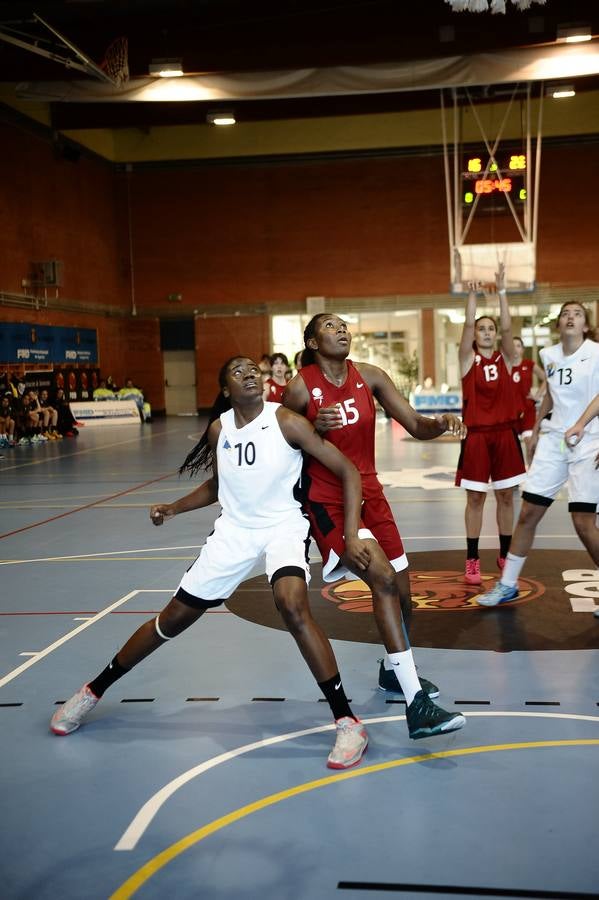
x=222, y=117
x=573, y=34
x=560, y=91
x=166, y=68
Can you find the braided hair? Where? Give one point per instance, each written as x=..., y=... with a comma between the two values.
x=308, y=354
x=202, y=456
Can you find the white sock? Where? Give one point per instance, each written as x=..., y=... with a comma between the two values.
x=512, y=569
x=405, y=672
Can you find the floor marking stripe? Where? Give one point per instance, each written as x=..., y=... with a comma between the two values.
x=14, y=562
x=135, y=881
x=67, y=637
x=85, y=506
x=143, y=818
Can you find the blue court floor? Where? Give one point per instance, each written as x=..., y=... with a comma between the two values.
x=202, y=774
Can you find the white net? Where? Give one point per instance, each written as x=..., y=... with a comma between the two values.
x=479, y=262
x=116, y=61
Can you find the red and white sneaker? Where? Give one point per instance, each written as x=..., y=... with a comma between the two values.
x=472, y=573
x=350, y=744
x=69, y=716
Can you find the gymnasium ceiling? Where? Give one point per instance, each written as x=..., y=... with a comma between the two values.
x=232, y=37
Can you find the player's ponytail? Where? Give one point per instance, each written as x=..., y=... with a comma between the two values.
x=201, y=457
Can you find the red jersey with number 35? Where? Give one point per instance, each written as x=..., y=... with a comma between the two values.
x=355, y=439
x=489, y=396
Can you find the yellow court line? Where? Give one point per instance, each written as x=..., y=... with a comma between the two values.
x=149, y=869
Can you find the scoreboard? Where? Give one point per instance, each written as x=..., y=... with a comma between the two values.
x=492, y=180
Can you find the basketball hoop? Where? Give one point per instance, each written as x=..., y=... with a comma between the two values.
x=116, y=61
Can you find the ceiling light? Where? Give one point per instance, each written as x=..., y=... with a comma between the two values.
x=166, y=68
x=573, y=34
x=222, y=117
x=560, y=91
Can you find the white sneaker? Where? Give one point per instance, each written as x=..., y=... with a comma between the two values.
x=350, y=744
x=69, y=716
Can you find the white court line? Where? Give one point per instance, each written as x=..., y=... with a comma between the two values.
x=29, y=653
x=67, y=637
x=137, y=827
x=16, y=562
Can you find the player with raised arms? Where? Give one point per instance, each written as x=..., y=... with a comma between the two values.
x=490, y=455
x=565, y=447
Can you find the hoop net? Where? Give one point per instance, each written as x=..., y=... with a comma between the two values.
x=479, y=262
x=116, y=61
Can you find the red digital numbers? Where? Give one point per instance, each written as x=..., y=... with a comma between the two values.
x=489, y=185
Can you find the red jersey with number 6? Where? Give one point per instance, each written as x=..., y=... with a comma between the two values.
x=489, y=396
x=355, y=439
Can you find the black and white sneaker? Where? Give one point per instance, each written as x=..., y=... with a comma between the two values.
x=426, y=719
x=388, y=682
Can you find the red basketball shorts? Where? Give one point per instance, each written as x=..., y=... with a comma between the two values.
x=490, y=459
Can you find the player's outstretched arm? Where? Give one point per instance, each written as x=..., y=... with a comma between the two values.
x=301, y=434
x=505, y=320
x=204, y=495
x=465, y=351
x=423, y=428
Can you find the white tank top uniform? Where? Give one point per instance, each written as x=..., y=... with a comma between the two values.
x=573, y=382
x=261, y=527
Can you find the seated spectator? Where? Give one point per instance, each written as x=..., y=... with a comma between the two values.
x=52, y=413
x=111, y=384
x=27, y=422
x=276, y=384
x=66, y=423
x=7, y=420
x=297, y=360
x=103, y=392
x=131, y=392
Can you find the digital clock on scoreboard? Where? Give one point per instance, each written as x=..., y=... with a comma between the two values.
x=496, y=179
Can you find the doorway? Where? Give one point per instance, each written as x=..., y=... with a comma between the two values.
x=180, y=382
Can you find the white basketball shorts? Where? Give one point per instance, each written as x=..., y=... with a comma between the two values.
x=231, y=554
x=555, y=465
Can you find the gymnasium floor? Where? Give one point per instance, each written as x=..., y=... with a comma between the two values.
x=202, y=773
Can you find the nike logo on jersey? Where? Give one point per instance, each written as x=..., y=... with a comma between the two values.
x=584, y=359
x=264, y=427
x=359, y=384
x=337, y=686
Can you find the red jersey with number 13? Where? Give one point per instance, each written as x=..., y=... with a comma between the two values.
x=355, y=439
x=489, y=396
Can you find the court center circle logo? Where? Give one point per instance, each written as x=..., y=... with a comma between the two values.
x=443, y=591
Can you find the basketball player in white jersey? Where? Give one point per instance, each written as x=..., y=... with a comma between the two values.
x=255, y=451
x=572, y=372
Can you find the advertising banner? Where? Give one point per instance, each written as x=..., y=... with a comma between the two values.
x=106, y=412
x=23, y=342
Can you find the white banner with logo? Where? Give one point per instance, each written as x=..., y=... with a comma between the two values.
x=106, y=412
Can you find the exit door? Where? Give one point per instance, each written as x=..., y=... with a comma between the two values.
x=180, y=382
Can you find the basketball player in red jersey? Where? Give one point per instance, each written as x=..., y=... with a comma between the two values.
x=337, y=396
x=523, y=371
x=491, y=452
x=274, y=386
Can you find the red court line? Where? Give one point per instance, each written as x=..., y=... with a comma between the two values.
x=86, y=506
